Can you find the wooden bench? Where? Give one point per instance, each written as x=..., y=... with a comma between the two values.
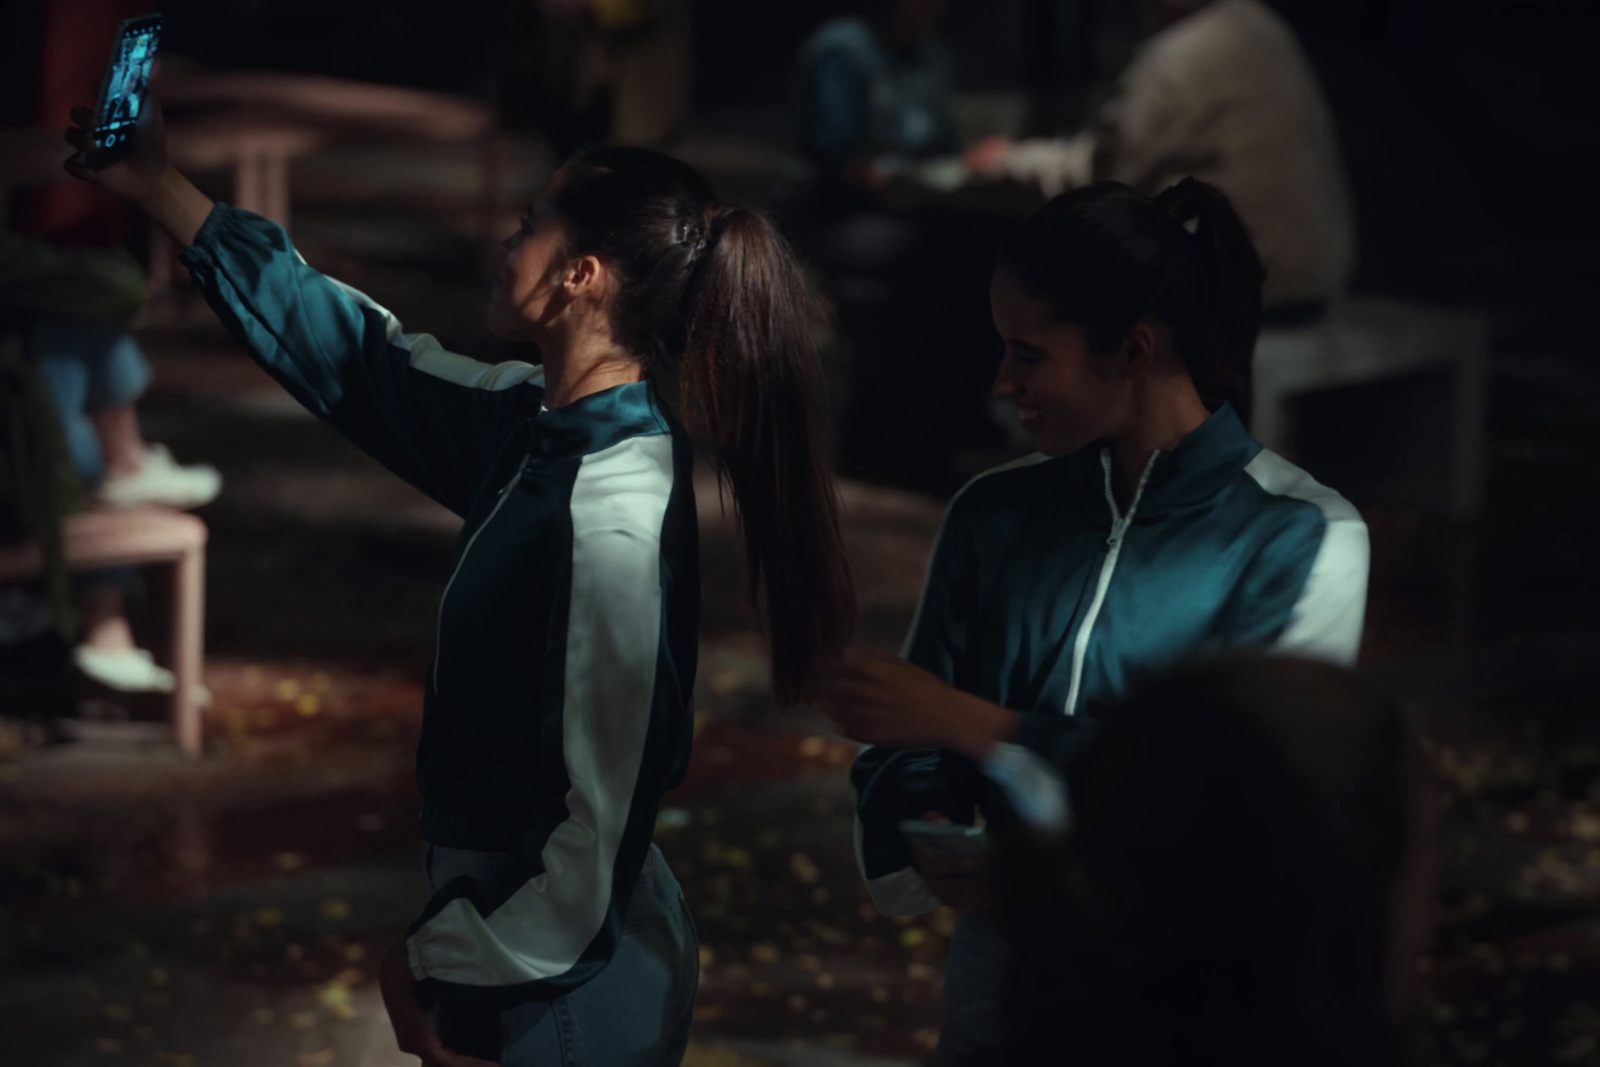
x=142, y=537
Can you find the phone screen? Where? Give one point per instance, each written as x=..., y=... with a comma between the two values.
x=122, y=94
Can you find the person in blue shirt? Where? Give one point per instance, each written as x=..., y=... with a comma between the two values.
x=558, y=704
x=1148, y=528
x=876, y=94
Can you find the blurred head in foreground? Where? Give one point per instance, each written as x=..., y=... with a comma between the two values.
x=1249, y=879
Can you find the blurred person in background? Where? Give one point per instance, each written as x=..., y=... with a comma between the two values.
x=1221, y=90
x=71, y=311
x=584, y=72
x=875, y=116
x=559, y=703
x=1149, y=528
x=876, y=94
x=1249, y=879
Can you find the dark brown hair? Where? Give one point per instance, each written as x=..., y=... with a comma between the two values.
x=713, y=293
x=1106, y=258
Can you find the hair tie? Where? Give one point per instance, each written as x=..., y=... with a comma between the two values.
x=1182, y=201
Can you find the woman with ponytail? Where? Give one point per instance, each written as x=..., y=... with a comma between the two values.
x=1148, y=528
x=558, y=704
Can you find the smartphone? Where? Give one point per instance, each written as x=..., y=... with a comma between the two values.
x=946, y=839
x=126, y=82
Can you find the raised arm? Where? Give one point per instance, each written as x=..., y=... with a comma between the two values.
x=435, y=418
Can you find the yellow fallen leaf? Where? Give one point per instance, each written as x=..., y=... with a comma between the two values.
x=287, y=690
x=336, y=998
x=307, y=705
x=913, y=937
x=804, y=868
x=812, y=747
x=350, y=977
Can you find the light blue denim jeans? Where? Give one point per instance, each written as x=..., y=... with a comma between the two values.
x=634, y=1013
x=87, y=368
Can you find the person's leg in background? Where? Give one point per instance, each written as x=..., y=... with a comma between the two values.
x=94, y=376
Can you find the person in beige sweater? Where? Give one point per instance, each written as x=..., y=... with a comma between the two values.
x=1223, y=92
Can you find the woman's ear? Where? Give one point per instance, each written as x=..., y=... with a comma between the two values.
x=1139, y=351
x=584, y=277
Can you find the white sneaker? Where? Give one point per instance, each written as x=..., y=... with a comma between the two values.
x=162, y=481
x=129, y=670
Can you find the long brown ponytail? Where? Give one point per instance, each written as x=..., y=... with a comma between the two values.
x=714, y=293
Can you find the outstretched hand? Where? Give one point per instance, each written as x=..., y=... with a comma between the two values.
x=133, y=171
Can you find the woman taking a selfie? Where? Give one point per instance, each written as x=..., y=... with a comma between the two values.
x=558, y=701
x=1148, y=528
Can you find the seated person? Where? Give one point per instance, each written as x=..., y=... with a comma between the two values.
x=876, y=95
x=1249, y=879
x=71, y=309
x=1221, y=91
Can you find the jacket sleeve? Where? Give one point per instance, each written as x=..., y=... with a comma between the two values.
x=548, y=919
x=432, y=417
x=893, y=784
x=1306, y=592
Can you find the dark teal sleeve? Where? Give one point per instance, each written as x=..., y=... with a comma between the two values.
x=435, y=418
x=893, y=784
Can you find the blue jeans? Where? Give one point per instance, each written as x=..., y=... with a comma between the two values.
x=634, y=1013
x=972, y=1026
x=87, y=369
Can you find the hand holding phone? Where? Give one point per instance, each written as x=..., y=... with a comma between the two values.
x=953, y=859
x=122, y=142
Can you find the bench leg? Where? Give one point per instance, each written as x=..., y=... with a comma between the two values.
x=188, y=636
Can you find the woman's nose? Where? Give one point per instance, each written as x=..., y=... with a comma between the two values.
x=1004, y=387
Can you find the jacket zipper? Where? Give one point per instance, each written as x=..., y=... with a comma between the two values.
x=1119, y=529
x=438, y=632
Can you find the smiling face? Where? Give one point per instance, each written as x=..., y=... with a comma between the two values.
x=1065, y=395
x=524, y=299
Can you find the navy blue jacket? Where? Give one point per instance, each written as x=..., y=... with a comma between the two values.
x=1043, y=598
x=558, y=707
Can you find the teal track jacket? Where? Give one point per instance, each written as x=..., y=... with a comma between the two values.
x=558, y=705
x=1043, y=598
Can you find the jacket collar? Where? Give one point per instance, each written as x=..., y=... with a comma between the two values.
x=1190, y=474
x=596, y=422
